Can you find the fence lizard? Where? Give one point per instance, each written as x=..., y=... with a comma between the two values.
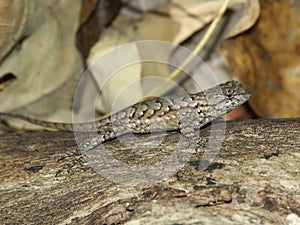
x=184, y=113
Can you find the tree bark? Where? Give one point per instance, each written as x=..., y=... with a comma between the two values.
x=153, y=178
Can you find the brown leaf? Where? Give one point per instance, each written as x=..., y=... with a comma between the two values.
x=266, y=59
x=42, y=57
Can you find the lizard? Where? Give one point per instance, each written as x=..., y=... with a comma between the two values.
x=184, y=113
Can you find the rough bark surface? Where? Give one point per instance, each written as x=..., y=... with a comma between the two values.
x=254, y=179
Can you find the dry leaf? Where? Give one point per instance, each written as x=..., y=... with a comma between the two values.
x=45, y=75
x=145, y=5
x=151, y=27
x=266, y=59
x=193, y=15
x=42, y=54
x=115, y=70
x=173, y=22
x=249, y=14
x=12, y=27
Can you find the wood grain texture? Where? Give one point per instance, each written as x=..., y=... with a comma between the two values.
x=254, y=179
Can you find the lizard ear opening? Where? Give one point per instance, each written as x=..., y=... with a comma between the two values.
x=6, y=80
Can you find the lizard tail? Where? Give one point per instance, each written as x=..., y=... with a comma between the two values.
x=79, y=127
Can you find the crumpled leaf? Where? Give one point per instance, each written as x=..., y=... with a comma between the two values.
x=173, y=22
x=111, y=76
x=128, y=32
x=192, y=15
x=46, y=58
x=266, y=59
x=248, y=17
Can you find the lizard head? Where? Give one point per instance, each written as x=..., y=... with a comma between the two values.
x=235, y=94
x=226, y=96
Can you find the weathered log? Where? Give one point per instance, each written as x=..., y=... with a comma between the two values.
x=254, y=179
